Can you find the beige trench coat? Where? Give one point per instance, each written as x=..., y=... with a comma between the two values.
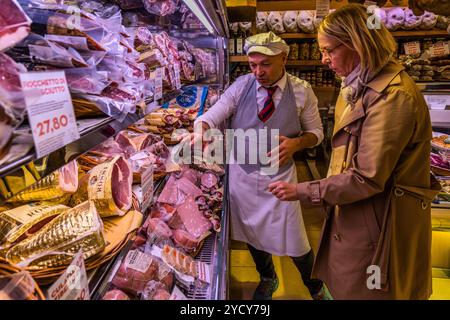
x=378, y=208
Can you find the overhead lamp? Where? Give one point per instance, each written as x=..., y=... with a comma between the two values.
x=193, y=6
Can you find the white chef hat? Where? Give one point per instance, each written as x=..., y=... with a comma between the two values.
x=266, y=43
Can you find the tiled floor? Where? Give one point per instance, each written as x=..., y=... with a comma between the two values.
x=244, y=278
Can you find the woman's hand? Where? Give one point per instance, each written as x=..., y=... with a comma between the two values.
x=284, y=191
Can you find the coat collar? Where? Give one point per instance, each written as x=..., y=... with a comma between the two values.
x=389, y=75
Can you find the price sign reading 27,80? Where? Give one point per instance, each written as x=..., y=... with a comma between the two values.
x=51, y=125
x=50, y=110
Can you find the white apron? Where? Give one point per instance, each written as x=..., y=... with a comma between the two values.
x=257, y=216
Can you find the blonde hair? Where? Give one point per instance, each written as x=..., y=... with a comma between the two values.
x=375, y=47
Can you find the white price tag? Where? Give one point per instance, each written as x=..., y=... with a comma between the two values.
x=412, y=47
x=147, y=189
x=322, y=8
x=73, y=283
x=138, y=261
x=440, y=49
x=50, y=110
x=158, y=83
x=176, y=69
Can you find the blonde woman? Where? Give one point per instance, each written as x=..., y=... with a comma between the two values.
x=376, y=239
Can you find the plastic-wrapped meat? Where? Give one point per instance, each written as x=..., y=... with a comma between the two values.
x=153, y=58
x=131, y=142
x=209, y=180
x=161, y=7
x=108, y=149
x=11, y=96
x=176, y=191
x=114, y=92
x=143, y=39
x=135, y=272
x=193, y=220
x=155, y=290
x=158, y=228
x=179, y=261
x=159, y=148
x=60, y=24
x=185, y=240
x=14, y=24
x=115, y=294
x=163, y=211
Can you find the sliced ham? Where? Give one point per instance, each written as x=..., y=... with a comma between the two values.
x=185, y=240
x=193, y=220
x=176, y=191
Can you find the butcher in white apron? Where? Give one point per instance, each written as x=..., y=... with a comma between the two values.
x=268, y=225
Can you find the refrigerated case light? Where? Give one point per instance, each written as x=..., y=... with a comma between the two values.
x=199, y=14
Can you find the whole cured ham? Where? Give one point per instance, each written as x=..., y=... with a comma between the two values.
x=12, y=103
x=62, y=182
x=22, y=222
x=109, y=187
x=56, y=243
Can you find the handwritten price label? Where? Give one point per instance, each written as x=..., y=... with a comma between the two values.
x=50, y=110
x=412, y=47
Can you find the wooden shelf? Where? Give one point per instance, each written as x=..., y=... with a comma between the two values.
x=289, y=62
x=421, y=33
x=397, y=34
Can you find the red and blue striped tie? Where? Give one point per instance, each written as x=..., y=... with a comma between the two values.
x=269, y=106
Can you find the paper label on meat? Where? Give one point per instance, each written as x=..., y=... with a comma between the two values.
x=15, y=222
x=138, y=261
x=100, y=188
